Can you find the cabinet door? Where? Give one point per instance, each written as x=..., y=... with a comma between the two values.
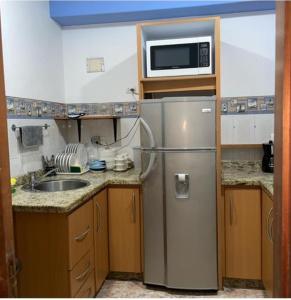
x=243, y=233
x=267, y=244
x=244, y=129
x=227, y=129
x=80, y=229
x=264, y=127
x=101, y=238
x=124, y=230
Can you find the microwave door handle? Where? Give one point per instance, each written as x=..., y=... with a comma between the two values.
x=152, y=145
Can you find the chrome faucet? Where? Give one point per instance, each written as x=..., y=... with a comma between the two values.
x=33, y=180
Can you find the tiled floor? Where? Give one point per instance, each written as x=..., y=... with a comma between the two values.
x=135, y=289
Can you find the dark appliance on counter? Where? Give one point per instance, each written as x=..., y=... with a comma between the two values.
x=268, y=158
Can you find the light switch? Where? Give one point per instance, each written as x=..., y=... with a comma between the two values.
x=95, y=65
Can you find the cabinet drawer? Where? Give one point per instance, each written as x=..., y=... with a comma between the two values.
x=88, y=288
x=81, y=272
x=80, y=227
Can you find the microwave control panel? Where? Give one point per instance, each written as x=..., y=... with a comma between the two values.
x=204, y=49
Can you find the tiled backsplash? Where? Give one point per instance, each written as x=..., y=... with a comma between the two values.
x=22, y=112
x=247, y=105
x=21, y=108
x=32, y=112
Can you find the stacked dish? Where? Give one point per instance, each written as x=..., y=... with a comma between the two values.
x=108, y=155
x=75, y=155
x=97, y=165
x=122, y=162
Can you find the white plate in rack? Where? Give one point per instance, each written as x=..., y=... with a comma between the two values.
x=67, y=150
x=64, y=162
x=67, y=156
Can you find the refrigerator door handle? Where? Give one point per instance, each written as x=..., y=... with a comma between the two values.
x=152, y=145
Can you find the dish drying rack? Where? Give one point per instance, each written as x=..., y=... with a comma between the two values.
x=74, y=156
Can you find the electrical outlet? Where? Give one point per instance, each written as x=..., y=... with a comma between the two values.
x=95, y=139
x=131, y=91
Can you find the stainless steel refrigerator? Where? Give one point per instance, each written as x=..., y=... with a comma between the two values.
x=179, y=192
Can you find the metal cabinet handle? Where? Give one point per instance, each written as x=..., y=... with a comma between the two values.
x=271, y=231
x=82, y=235
x=269, y=234
x=98, y=216
x=133, y=208
x=231, y=211
x=85, y=273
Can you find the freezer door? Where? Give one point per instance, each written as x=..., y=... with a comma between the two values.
x=153, y=214
x=189, y=123
x=191, y=241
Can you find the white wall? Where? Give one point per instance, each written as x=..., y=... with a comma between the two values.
x=247, y=59
x=248, y=55
x=104, y=129
x=42, y=61
x=117, y=44
x=32, y=50
x=33, y=68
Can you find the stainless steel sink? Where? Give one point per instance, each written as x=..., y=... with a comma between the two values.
x=57, y=185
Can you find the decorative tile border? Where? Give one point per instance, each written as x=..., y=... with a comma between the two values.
x=122, y=109
x=247, y=105
x=22, y=108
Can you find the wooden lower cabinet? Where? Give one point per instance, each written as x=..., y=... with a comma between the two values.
x=267, y=243
x=243, y=233
x=124, y=230
x=67, y=255
x=51, y=248
x=101, y=238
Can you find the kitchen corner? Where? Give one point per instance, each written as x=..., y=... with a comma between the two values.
x=139, y=154
x=66, y=202
x=247, y=173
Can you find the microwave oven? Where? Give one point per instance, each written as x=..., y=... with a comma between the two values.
x=178, y=57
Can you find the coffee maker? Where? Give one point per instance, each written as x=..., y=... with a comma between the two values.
x=268, y=158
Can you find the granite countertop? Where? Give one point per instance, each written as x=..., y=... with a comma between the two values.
x=247, y=173
x=65, y=202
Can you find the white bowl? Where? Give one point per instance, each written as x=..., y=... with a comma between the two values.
x=121, y=165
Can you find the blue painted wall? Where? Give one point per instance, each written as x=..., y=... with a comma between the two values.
x=68, y=13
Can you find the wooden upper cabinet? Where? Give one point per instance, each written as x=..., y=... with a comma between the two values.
x=101, y=238
x=179, y=28
x=124, y=230
x=267, y=243
x=243, y=233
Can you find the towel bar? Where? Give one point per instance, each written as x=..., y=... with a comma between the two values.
x=14, y=127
